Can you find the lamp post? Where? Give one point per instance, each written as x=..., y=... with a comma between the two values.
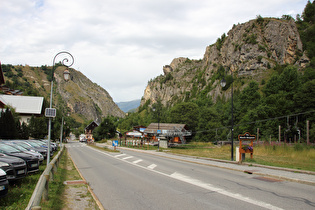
x=158, y=130
x=50, y=112
x=223, y=84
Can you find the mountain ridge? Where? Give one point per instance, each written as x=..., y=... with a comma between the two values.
x=128, y=106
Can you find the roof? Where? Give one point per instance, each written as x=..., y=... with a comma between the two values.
x=153, y=127
x=92, y=125
x=24, y=104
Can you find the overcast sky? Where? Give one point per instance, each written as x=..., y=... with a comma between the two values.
x=122, y=44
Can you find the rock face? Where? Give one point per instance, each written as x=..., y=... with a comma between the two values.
x=248, y=50
x=85, y=98
x=79, y=97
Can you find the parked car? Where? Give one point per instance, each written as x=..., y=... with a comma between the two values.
x=4, y=183
x=22, y=149
x=29, y=147
x=14, y=167
x=39, y=144
x=53, y=145
x=32, y=162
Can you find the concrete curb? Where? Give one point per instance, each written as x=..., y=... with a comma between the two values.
x=100, y=206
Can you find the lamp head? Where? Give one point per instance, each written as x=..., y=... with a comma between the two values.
x=223, y=82
x=66, y=75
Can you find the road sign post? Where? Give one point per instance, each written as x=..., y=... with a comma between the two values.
x=115, y=144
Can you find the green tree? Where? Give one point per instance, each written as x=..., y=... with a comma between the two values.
x=38, y=127
x=24, y=132
x=8, y=125
x=250, y=97
x=105, y=130
x=307, y=29
x=207, y=124
x=185, y=113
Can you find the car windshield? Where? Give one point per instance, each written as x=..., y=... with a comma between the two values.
x=33, y=144
x=26, y=146
x=37, y=143
x=19, y=147
x=8, y=149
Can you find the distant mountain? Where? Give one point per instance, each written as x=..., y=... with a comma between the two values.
x=129, y=105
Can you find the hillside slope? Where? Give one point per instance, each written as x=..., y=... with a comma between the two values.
x=249, y=50
x=84, y=99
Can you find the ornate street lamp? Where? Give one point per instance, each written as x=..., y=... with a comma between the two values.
x=67, y=61
x=223, y=84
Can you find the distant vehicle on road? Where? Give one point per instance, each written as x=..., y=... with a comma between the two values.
x=82, y=138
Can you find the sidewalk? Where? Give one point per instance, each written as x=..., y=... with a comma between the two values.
x=295, y=175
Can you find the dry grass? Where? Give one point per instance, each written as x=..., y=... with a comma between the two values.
x=289, y=156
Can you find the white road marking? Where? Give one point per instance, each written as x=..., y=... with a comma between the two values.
x=119, y=155
x=137, y=161
x=210, y=187
x=201, y=184
x=125, y=158
x=152, y=166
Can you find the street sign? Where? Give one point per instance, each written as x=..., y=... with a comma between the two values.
x=50, y=112
x=246, y=136
x=115, y=143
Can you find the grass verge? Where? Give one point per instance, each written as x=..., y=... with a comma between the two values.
x=297, y=156
x=20, y=191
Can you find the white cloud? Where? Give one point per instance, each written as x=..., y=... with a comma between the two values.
x=122, y=44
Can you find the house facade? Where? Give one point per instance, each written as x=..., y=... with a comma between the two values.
x=88, y=131
x=172, y=133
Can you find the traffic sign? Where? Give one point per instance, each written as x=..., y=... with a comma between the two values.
x=115, y=143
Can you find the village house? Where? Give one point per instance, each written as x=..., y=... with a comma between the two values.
x=168, y=133
x=89, y=130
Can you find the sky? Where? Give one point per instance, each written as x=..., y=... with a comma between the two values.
x=122, y=44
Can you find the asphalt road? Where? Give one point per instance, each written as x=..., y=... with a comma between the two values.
x=134, y=180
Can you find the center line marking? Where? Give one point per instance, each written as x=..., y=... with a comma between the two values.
x=125, y=158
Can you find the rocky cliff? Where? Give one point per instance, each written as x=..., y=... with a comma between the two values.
x=84, y=99
x=249, y=50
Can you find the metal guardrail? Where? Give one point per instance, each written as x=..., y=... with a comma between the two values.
x=42, y=186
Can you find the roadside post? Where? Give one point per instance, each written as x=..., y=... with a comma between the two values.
x=158, y=137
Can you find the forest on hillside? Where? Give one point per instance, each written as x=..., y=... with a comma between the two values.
x=283, y=103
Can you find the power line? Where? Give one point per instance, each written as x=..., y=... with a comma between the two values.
x=257, y=121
